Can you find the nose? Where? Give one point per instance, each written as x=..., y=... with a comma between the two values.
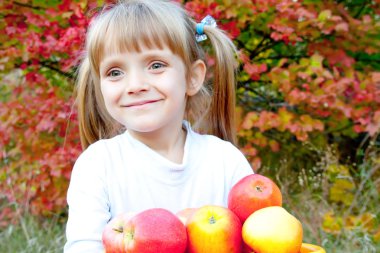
x=136, y=83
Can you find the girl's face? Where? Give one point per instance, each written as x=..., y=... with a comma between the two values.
x=144, y=91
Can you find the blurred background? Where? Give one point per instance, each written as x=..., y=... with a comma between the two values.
x=308, y=104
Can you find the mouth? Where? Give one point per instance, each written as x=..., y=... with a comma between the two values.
x=141, y=103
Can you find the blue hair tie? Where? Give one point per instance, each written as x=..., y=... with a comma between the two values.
x=199, y=28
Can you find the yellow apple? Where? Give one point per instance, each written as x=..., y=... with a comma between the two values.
x=214, y=229
x=273, y=230
x=311, y=248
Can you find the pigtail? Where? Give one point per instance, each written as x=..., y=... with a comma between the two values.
x=94, y=121
x=222, y=108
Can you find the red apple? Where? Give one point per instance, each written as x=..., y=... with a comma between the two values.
x=113, y=233
x=185, y=214
x=214, y=229
x=155, y=230
x=246, y=248
x=252, y=193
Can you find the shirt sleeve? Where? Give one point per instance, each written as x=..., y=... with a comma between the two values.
x=88, y=205
x=242, y=168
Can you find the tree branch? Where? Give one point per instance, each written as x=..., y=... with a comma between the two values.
x=59, y=71
x=259, y=45
x=28, y=6
x=277, y=57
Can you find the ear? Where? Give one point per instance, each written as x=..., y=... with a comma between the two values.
x=197, y=77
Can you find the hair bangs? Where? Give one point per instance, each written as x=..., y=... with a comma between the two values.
x=132, y=28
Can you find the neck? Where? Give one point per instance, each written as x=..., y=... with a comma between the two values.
x=169, y=142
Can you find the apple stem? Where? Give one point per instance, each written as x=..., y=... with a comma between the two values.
x=118, y=229
x=212, y=220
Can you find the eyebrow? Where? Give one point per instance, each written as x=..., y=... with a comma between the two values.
x=157, y=53
x=109, y=62
x=118, y=60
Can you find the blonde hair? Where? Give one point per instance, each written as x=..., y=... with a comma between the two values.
x=129, y=25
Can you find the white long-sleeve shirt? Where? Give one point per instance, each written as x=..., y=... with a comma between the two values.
x=122, y=174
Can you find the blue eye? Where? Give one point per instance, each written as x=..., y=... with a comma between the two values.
x=114, y=73
x=157, y=65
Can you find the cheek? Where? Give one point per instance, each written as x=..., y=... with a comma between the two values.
x=181, y=86
x=179, y=94
x=110, y=93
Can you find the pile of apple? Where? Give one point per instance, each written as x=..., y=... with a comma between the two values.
x=253, y=222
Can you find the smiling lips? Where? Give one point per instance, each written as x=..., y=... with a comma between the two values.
x=140, y=103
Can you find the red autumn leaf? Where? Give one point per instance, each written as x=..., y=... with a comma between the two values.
x=339, y=56
x=255, y=70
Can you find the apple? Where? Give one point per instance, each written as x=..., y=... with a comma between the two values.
x=311, y=248
x=212, y=229
x=246, y=248
x=273, y=230
x=113, y=233
x=252, y=193
x=155, y=230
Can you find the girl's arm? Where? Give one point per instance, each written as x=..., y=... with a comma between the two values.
x=88, y=205
x=242, y=167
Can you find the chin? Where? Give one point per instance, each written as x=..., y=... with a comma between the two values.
x=143, y=127
x=151, y=125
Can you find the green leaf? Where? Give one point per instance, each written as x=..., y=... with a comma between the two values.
x=324, y=15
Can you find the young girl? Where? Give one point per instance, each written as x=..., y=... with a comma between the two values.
x=141, y=96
